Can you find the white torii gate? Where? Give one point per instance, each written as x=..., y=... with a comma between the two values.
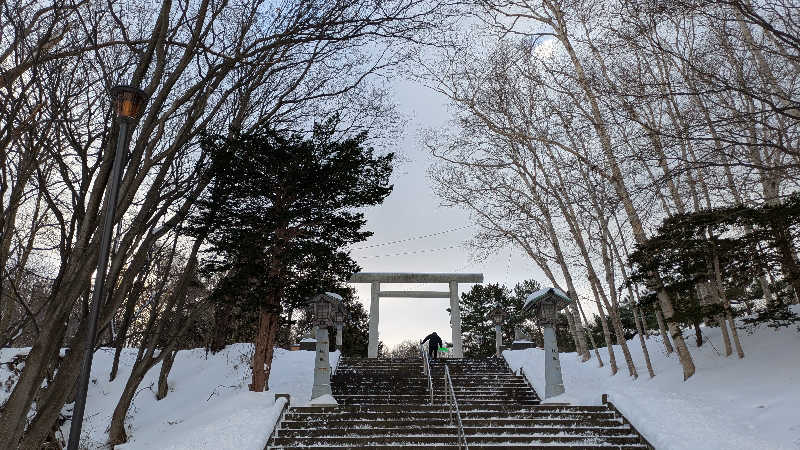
x=452, y=279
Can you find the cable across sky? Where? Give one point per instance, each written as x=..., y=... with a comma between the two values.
x=411, y=252
x=413, y=238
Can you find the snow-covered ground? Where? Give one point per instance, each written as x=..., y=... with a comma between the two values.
x=752, y=403
x=208, y=407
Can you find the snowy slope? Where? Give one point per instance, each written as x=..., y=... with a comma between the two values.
x=751, y=404
x=208, y=406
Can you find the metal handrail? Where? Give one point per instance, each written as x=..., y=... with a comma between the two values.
x=426, y=365
x=453, y=402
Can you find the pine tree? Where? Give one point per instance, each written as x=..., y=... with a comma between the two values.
x=476, y=321
x=279, y=216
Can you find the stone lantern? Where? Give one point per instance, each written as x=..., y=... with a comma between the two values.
x=545, y=305
x=498, y=315
x=323, y=307
x=339, y=317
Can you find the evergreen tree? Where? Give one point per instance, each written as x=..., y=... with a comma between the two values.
x=689, y=249
x=279, y=216
x=476, y=322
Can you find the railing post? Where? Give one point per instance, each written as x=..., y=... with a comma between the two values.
x=453, y=402
x=426, y=367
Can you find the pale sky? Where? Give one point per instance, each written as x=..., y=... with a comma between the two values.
x=413, y=210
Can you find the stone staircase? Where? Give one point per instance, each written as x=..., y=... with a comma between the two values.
x=384, y=403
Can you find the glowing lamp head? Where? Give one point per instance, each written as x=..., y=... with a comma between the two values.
x=129, y=101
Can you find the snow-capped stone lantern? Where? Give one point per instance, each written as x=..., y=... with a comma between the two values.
x=323, y=307
x=545, y=305
x=498, y=315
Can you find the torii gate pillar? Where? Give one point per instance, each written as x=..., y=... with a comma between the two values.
x=455, y=321
x=374, y=311
x=452, y=279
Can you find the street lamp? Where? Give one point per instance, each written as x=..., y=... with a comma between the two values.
x=129, y=103
x=498, y=315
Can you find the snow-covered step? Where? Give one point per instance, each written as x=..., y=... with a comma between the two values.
x=385, y=404
x=356, y=441
x=506, y=445
x=514, y=423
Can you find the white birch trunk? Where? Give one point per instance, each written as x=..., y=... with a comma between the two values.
x=591, y=337
x=640, y=331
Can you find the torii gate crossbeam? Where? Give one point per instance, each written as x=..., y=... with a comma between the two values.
x=452, y=279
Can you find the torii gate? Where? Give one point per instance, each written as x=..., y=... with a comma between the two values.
x=452, y=279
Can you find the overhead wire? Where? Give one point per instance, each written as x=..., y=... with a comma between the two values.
x=413, y=238
x=411, y=252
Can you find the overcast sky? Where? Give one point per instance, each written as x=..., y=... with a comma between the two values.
x=413, y=210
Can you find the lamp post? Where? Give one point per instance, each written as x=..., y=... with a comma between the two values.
x=545, y=303
x=498, y=315
x=129, y=102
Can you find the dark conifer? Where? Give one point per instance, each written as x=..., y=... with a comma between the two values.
x=279, y=216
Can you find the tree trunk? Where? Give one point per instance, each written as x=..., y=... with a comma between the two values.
x=640, y=331
x=644, y=323
x=52, y=399
x=621, y=339
x=166, y=366
x=223, y=312
x=123, y=331
x=571, y=325
x=621, y=190
x=591, y=337
x=663, y=330
x=14, y=414
x=708, y=292
x=726, y=340
x=146, y=358
x=579, y=332
x=606, y=332
x=698, y=334
x=117, y=353
x=729, y=179
x=264, y=345
x=270, y=350
x=726, y=304
x=732, y=325
x=116, y=432
x=613, y=308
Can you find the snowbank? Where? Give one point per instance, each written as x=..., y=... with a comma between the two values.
x=208, y=407
x=753, y=403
